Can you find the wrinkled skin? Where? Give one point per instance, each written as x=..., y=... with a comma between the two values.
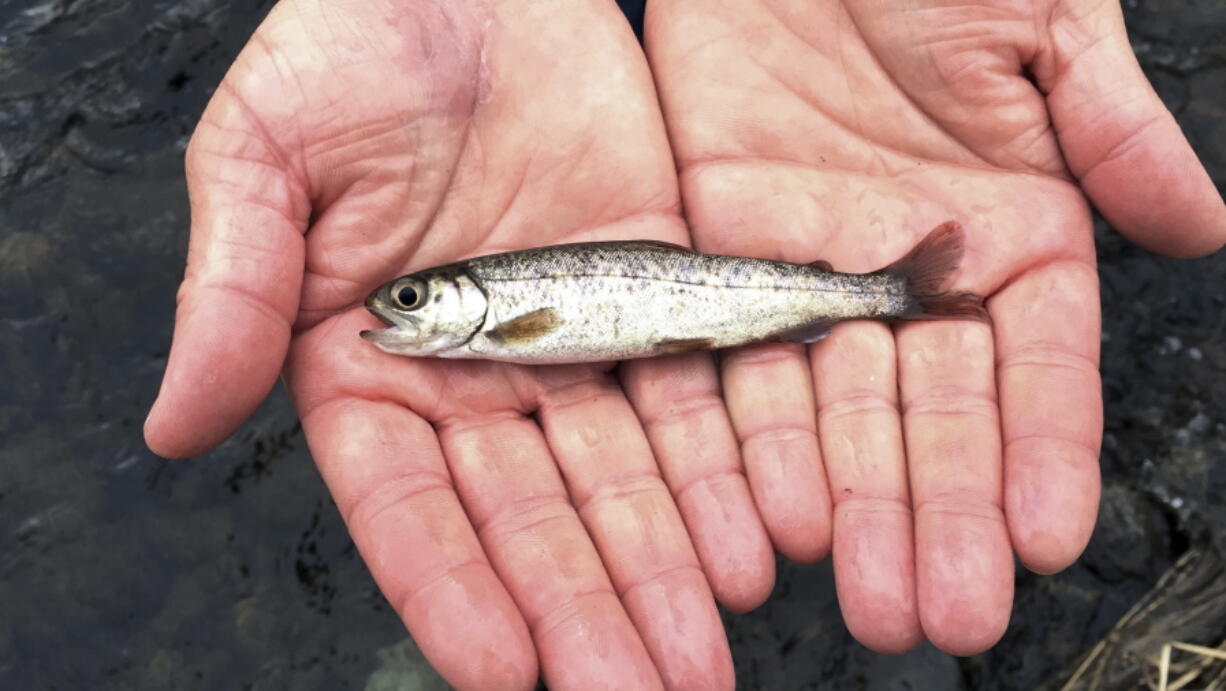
x=579, y=525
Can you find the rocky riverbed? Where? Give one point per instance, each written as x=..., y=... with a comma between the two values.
x=122, y=571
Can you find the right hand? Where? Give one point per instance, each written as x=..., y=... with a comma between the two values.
x=846, y=130
x=509, y=514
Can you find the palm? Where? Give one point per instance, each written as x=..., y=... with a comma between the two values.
x=509, y=513
x=844, y=132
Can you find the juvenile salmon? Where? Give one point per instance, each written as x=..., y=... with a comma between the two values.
x=597, y=301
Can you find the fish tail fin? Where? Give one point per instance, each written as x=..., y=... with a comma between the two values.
x=928, y=269
x=955, y=305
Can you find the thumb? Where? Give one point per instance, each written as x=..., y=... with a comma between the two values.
x=244, y=272
x=1121, y=141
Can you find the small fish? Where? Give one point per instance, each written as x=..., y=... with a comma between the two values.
x=598, y=301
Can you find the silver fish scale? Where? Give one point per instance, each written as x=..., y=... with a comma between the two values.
x=639, y=299
x=657, y=261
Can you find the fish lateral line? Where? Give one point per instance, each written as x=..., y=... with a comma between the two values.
x=730, y=286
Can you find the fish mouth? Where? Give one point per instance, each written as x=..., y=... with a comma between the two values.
x=386, y=321
x=374, y=304
x=377, y=336
x=393, y=333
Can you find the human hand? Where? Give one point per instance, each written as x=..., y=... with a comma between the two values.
x=844, y=132
x=508, y=513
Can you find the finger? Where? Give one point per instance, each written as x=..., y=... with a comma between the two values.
x=770, y=403
x=964, y=568
x=1047, y=336
x=240, y=293
x=854, y=378
x=630, y=515
x=677, y=399
x=386, y=472
x=1121, y=141
x=510, y=490
x=514, y=496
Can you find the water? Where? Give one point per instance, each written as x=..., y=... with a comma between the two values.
x=120, y=570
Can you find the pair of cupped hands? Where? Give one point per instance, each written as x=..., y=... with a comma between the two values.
x=581, y=522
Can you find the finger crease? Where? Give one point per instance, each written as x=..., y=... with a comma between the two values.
x=684, y=407
x=250, y=297
x=571, y=607
x=978, y=508
x=398, y=490
x=951, y=401
x=1125, y=145
x=444, y=574
x=709, y=479
x=661, y=575
x=859, y=504
x=1082, y=444
x=767, y=355
x=524, y=514
x=858, y=402
x=780, y=433
x=557, y=400
x=623, y=488
x=456, y=426
x=1048, y=356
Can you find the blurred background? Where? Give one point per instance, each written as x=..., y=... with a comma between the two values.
x=122, y=571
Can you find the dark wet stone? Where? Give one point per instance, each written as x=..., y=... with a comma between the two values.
x=1204, y=116
x=402, y=667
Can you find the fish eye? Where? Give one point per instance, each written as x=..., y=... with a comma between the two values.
x=408, y=294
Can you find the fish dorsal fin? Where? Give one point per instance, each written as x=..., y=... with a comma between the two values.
x=821, y=265
x=808, y=333
x=664, y=245
x=527, y=327
x=685, y=345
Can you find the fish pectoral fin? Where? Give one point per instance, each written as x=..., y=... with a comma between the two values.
x=527, y=327
x=808, y=333
x=685, y=345
x=821, y=265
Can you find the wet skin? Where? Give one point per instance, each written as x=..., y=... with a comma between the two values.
x=580, y=522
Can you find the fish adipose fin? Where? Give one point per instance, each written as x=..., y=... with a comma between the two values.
x=527, y=327
x=685, y=345
x=928, y=269
x=809, y=333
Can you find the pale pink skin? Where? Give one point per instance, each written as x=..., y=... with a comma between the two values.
x=561, y=522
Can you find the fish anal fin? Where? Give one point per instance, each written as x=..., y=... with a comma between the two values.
x=808, y=333
x=685, y=345
x=527, y=327
x=821, y=265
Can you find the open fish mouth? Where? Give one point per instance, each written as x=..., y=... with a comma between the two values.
x=394, y=333
x=386, y=321
x=377, y=335
x=381, y=335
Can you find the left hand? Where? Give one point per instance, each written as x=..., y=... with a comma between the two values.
x=846, y=130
